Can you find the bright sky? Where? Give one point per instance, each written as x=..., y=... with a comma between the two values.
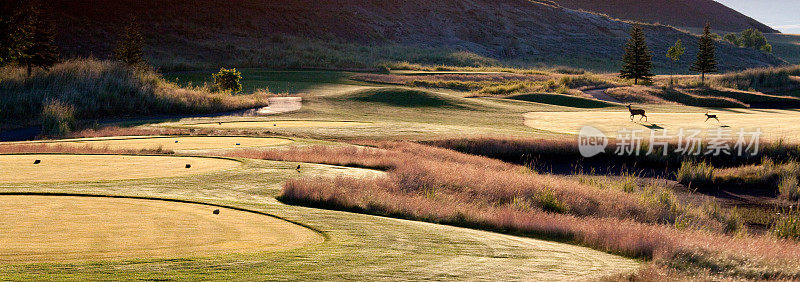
x=783, y=15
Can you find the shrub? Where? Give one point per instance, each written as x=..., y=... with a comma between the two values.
x=227, y=80
x=57, y=118
x=788, y=226
x=550, y=203
x=789, y=187
x=697, y=173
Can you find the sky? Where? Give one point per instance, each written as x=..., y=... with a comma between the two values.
x=783, y=15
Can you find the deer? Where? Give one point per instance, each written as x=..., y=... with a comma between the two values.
x=708, y=117
x=637, y=112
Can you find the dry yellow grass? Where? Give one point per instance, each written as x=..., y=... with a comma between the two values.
x=170, y=143
x=59, y=168
x=277, y=124
x=66, y=228
x=774, y=124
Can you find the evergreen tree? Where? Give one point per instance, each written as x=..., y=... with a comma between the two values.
x=15, y=30
x=706, y=59
x=637, y=60
x=130, y=49
x=41, y=52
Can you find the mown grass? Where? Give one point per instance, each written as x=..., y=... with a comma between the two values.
x=562, y=100
x=441, y=186
x=400, y=97
x=104, y=89
x=497, y=84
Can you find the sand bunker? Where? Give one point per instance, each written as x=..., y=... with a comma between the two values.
x=59, y=168
x=277, y=124
x=67, y=228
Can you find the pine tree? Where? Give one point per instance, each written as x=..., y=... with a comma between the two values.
x=706, y=59
x=41, y=52
x=15, y=30
x=638, y=61
x=130, y=49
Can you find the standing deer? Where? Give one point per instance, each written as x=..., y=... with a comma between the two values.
x=708, y=117
x=637, y=112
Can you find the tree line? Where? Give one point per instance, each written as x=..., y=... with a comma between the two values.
x=27, y=35
x=638, y=60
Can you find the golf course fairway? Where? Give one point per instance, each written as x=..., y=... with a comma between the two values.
x=277, y=124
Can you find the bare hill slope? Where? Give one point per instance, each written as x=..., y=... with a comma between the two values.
x=363, y=33
x=681, y=13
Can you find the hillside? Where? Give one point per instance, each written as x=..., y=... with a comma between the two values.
x=680, y=13
x=185, y=34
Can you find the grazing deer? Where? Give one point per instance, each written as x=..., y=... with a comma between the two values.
x=708, y=117
x=637, y=112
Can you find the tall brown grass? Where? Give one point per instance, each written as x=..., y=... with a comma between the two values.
x=49, y=148
x=57, y=118
x=101, y=89
x=773, y=78
x=443, y=186
x=497, y=84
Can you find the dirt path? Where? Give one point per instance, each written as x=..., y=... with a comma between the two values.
x=600, y=94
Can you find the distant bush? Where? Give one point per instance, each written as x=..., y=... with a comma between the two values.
x=227, y=80
x=750, y=38
x=58, y=119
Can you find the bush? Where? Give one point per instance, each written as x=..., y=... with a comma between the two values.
x=697, y=173
x=788, y=226
x=57, y=118
x=789, y=187
x=550, y=203
x=227, y=80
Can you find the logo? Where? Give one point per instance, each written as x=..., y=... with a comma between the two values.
x=591, y=142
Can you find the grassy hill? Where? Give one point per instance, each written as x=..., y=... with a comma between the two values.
x=786, y=46
x=92, y=89
x=681, y=13
x=363, y=34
